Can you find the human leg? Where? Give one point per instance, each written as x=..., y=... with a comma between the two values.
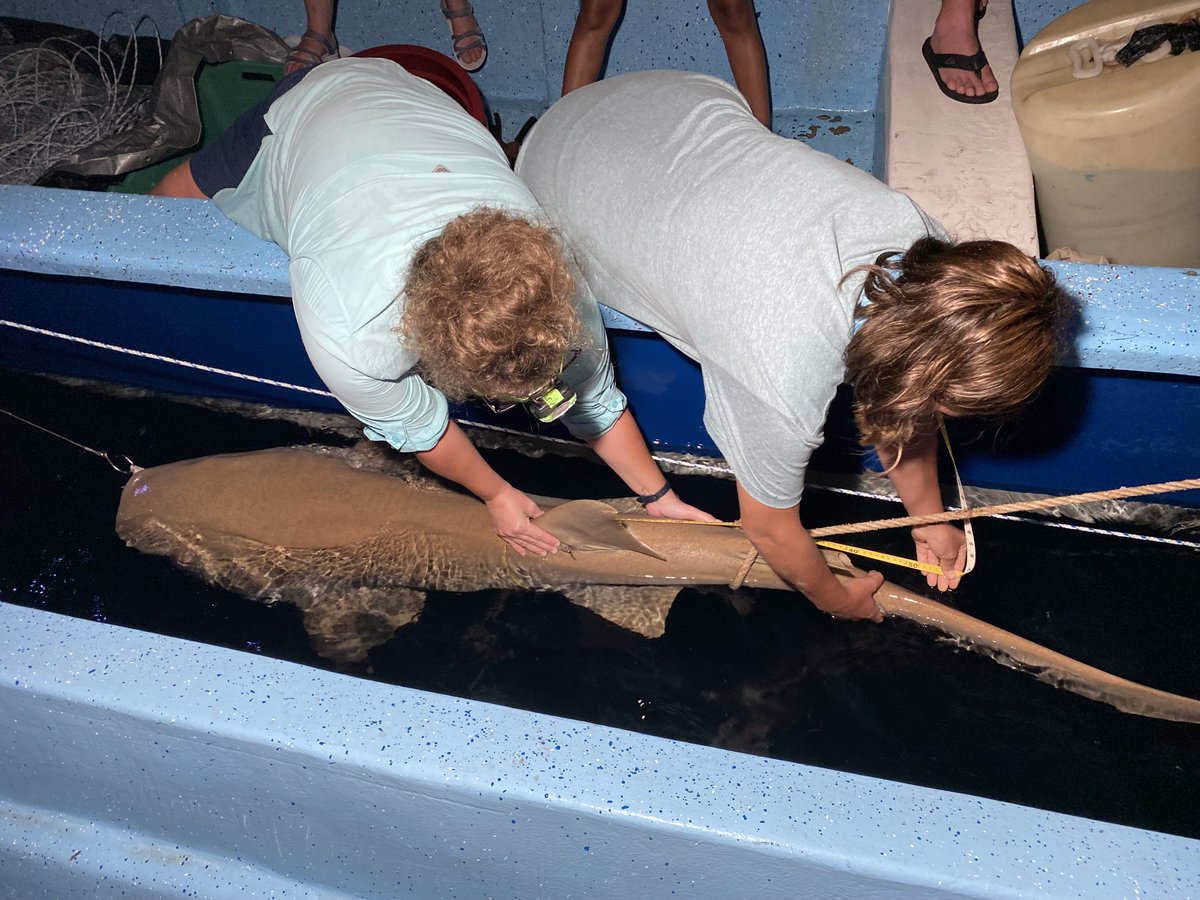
x=593, y=29
x=955, y=32
x=318, y=41
x=738, y=27
x=467, y=39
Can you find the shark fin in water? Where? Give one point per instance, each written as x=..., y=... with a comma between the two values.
x=642, y=608
x=345, y=626
x=592, y=525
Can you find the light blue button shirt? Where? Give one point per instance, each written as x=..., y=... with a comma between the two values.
x=366, y=163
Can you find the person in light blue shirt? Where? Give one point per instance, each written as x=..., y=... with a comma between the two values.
x=420, y=268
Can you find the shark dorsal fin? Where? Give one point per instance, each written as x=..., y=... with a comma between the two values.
x=592, y=525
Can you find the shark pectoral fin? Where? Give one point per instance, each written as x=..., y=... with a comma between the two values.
x=641, y=608
x=592, y=525
x=344, y=626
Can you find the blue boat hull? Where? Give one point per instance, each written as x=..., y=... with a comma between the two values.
x=1088, y=430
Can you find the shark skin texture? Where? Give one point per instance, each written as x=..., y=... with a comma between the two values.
x=356, y=550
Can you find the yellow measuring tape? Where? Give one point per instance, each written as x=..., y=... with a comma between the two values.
x=907, y=563
x=830, y=545
x=884, y=557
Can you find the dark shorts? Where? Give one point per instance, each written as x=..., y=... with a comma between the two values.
x=223, y=163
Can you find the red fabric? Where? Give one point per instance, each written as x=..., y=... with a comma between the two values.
x=436, y=68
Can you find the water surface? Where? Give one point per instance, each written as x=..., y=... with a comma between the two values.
x=780, y=679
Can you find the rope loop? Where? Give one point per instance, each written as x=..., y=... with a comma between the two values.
x=131, y=468
x=747, y=564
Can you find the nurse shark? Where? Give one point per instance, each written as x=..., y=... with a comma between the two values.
x=356, y=549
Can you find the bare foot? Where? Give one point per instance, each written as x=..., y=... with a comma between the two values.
x=955, y=32
x=473, y=56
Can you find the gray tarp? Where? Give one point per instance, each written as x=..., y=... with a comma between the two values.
x=175, y=124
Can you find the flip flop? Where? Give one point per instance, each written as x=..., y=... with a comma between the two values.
x=973, y=63
x=466, y=41
x=301, y=58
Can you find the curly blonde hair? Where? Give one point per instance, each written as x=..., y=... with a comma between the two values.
x=489, y=306
x=972, y=328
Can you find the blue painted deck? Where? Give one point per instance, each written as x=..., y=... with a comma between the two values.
x=229, y=775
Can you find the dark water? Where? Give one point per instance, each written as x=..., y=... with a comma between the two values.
x=781, y=680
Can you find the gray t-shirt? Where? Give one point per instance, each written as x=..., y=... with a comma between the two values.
x=729, y=241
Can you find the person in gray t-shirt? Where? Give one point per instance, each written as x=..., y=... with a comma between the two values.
x=756, y=256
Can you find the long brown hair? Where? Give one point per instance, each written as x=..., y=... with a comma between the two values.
x=972, y=327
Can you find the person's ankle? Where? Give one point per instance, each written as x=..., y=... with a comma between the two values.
x=954, y=20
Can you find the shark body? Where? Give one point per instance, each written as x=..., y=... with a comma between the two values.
x=356, y=550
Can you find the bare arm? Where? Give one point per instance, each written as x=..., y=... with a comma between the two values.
x=456, y=458
x=916, y=481
x=178, y=183
x=787, y=547
x=625, y=451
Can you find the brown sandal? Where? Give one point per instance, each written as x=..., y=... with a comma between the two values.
x=466, y=41
x=301, y=58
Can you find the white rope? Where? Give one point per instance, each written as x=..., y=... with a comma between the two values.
x=166, y=359
x=700, y=467
x=1155, y=539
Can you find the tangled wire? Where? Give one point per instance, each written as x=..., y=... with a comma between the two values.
x=59, y=97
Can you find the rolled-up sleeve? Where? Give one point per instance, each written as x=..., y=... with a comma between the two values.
x=599, y=401
x=405, y=412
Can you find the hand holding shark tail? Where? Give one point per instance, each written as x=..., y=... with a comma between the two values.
x=355, y=548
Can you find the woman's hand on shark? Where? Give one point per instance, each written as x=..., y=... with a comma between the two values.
x=671, y=507
x=512, y=516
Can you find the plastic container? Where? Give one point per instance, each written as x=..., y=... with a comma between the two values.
x=1115, y=155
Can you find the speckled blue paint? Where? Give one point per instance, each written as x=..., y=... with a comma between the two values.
x=1136, y=318
x=1034, y=15
x=135, y=761
x=821, y=56
x=122, y=237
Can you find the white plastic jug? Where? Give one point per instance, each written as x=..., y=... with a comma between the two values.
x=1115, y=151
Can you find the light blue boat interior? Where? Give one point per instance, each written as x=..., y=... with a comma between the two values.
x=146, y=766
x=825, y=58
x=140, y=766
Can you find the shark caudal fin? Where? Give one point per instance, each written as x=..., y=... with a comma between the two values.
x=592, y=525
